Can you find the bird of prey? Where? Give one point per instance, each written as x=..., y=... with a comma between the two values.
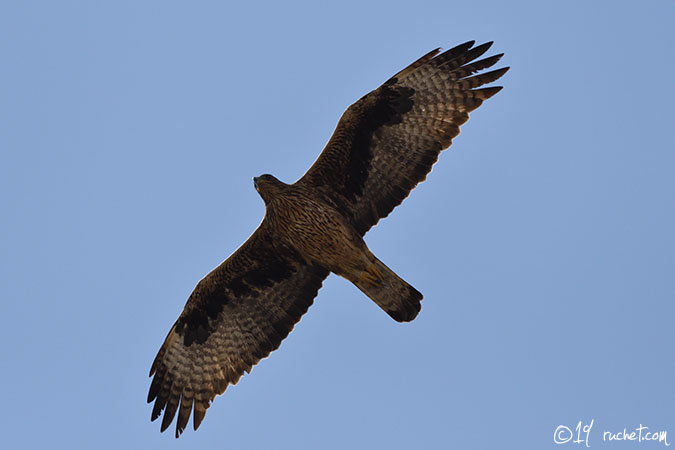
x=383, y=146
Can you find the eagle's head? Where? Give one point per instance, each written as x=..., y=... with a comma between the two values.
x=268, y=187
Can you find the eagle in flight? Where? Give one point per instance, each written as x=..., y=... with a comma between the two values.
x=383, y=146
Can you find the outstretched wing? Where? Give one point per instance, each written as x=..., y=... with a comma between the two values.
x=386, y=143
x=237, y=315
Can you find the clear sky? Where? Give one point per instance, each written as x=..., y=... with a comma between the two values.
x=543, y=241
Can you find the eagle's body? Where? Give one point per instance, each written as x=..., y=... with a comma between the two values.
x=323, y=236
x=315, y=228
x=383, y=146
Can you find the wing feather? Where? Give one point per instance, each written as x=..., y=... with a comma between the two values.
x=387, y=142
x=237, y=315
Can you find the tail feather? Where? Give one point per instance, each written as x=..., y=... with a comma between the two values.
x=396, y=297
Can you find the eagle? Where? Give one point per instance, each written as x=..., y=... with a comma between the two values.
x=384, y=145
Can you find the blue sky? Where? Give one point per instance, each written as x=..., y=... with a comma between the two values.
x=543, y=241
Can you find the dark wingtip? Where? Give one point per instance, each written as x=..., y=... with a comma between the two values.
x=461, y=48
x=199, y=413
x=490, y=91
x=498, y=73
x=156, y=412
x=165, y=423
x=153, y=368
x=169, y=412
x=481, y=49
x=486, y=45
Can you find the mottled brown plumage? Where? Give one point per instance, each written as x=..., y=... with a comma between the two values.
x=383, y=146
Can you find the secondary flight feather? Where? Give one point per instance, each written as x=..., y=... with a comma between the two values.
x=383, y=146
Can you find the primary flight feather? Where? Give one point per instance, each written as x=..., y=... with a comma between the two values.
x=383, y=146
